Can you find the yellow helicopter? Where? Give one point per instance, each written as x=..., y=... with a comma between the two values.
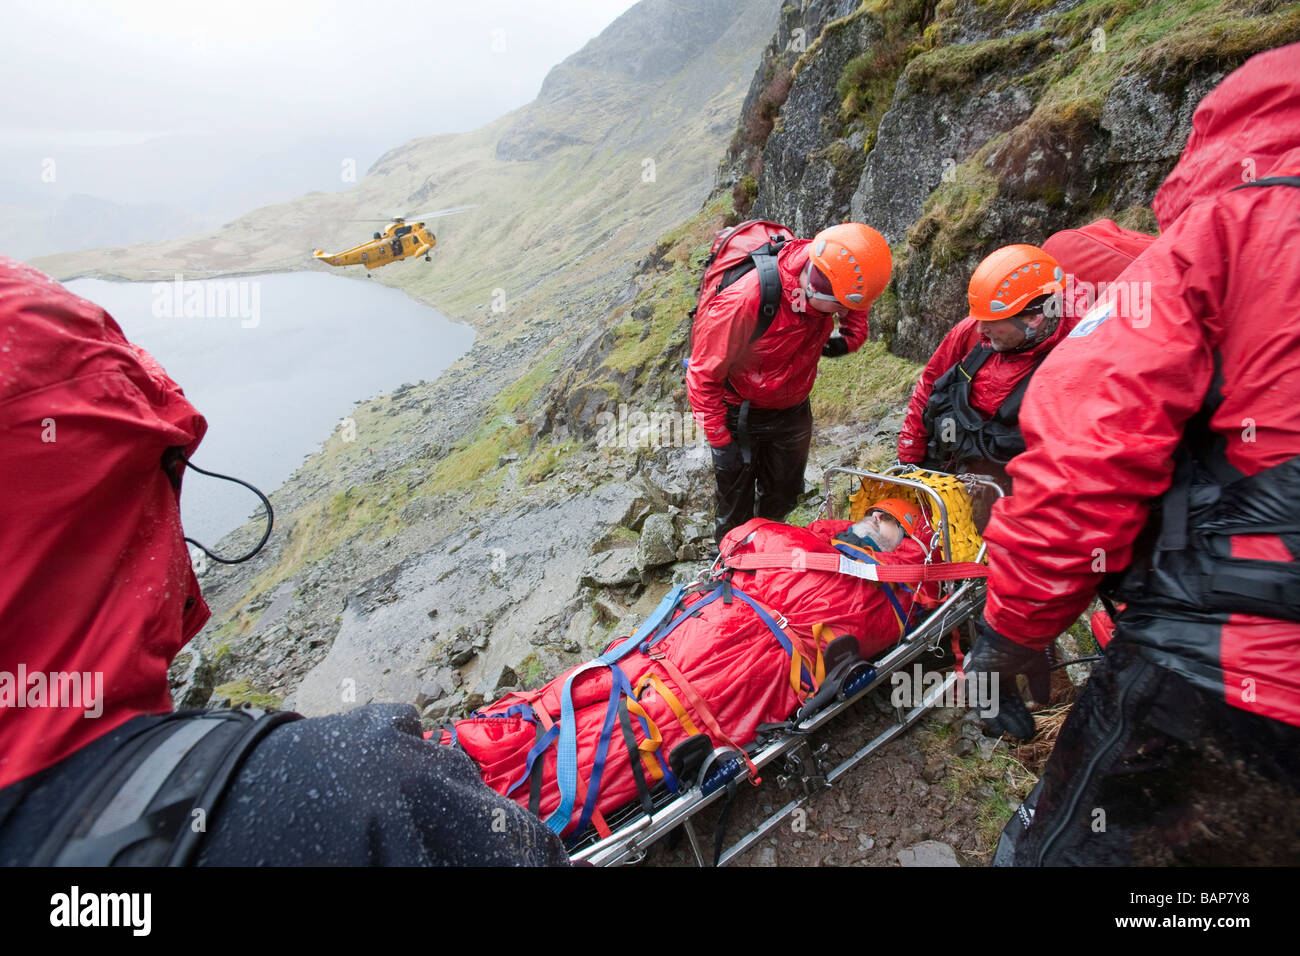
x=400, y=240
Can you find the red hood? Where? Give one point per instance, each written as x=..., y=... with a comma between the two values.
x=97, y=579
x=1244, y=130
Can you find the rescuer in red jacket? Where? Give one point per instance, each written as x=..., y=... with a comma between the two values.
x=1166, y=454
x=964, y=410
x=750, y=398
x=969, y=421
x=96, y=597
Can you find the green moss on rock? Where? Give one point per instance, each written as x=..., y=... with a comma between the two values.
x=954, y=67
x=241, y=692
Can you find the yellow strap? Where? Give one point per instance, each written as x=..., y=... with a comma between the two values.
x=795, y=660
x=648, y=746
x=651, y=743
x=670, y=699
x=822, y=635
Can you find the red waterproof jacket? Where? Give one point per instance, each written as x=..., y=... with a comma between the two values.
x=1106, y=410
x=992, y=384
x=1096, y=254
x=779, y=369
x=729, y=657
x=96, y=579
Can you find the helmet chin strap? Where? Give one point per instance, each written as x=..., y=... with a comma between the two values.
x=1024, y=328
x=1033, y=336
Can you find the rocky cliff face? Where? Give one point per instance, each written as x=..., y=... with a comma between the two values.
x=964, y=125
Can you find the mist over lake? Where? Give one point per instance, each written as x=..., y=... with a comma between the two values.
x=274, y=368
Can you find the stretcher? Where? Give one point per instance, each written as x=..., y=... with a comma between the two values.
x=787, y=751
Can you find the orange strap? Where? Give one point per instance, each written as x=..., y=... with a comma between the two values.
x=670, y=699
x=797, y=659
x=706, y=716
x=823, y=635
x=651, y=744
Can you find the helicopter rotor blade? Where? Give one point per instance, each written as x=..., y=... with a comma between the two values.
x=437, y=213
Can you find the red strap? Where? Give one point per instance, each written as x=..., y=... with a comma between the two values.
x=888, y=573
x=706, y=716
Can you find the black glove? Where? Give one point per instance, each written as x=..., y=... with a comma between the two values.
x=835, y=347
x=993, y=655
x=727, y=455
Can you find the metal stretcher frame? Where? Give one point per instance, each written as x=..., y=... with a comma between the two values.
x=634, y=834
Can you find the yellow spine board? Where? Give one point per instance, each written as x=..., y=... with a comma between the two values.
x=964, y=538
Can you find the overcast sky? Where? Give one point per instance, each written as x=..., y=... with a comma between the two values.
x=259, y=78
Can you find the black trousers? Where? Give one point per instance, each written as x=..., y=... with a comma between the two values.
x=1152, y=771
x=768, y=485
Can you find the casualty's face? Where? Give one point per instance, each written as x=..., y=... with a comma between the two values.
x=882, y=529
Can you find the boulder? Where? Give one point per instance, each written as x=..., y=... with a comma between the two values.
x=658, y=544
x=928, y=853
x=612, y=568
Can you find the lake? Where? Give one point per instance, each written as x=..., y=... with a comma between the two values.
x=274, y=362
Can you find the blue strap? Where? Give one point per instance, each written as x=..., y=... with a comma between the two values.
x=776, y=631
x=517, y=710
x=686, y=614
x=885, y=589
x=665, y=608
x=618, y=688
x=567, y=758
x=539, y=748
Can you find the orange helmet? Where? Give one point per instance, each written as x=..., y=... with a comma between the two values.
x=904, y=512
x=1009, y=279
x=855, y=259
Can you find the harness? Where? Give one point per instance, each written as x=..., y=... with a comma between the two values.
x=1188, y=570
x=151, y=801
x=807, y=674
x=957, y=431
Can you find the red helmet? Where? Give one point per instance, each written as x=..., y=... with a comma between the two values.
x=1009, y=279
x=855, y=259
